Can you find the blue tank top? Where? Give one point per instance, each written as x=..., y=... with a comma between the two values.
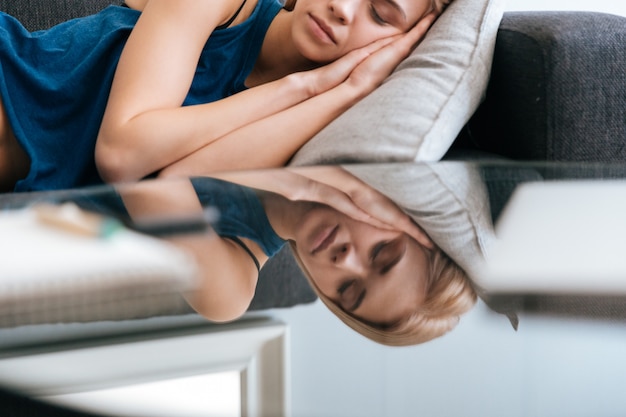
x=55, y=84
x=241, y=213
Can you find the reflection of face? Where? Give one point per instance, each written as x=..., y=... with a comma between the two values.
x=376, y=275
x=325, y=30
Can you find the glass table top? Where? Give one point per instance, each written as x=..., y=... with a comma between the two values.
x=540, y=244
x=558, y=225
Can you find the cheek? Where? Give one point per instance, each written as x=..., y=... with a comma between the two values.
x=366, y=33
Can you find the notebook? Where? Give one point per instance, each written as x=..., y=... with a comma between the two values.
x=61, y=264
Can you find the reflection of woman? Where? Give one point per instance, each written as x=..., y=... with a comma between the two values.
x=368, y=262
x=385, y=284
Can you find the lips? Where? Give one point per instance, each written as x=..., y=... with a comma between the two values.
x=322, y=29
x=324, y=239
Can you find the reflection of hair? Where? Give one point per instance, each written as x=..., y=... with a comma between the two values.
x=436, y=5
x=449, y=295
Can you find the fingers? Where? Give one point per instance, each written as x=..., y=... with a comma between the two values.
x=417, y=33
x=343, y=203
x=394, y=49
x=355, y=57
x=330, y=75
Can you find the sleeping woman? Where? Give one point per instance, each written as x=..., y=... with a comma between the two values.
x=161, y=87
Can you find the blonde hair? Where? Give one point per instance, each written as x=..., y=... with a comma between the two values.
x=436, y=5
x=449, y=295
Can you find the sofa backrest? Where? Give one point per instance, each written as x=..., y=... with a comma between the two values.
x=37, y=14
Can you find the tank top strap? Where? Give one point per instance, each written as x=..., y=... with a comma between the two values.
x=232, y=18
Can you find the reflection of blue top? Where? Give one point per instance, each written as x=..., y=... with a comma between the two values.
x=240, y=212
x=55, y=84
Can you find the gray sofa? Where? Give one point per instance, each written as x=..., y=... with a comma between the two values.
x=557, y=93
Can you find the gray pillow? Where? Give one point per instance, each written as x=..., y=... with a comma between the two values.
x=420, y=109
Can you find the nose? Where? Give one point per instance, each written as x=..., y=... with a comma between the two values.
x=345, y=257
x=343, y=10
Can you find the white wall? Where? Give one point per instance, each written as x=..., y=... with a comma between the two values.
x=607, y=6
x=548, y=368
x=483, y=368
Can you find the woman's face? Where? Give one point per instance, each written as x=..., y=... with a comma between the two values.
x=325, y=30
x=376, y=275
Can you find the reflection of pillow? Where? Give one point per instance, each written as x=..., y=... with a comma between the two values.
x=448, y=200
x=420, y=109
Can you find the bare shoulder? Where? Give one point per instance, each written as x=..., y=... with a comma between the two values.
x=136, y=4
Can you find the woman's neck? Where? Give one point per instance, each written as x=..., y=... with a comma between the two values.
x=279, y=56
x=284, y=215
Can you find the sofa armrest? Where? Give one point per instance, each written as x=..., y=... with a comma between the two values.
x=558, y=88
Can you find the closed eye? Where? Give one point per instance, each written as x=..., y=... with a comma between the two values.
x=351, y=294
x=359, y=301
x=376, y=16
x=385, y=255
x=388, y=13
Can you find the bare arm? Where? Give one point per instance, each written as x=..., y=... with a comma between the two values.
x=272, y=141
x=145, y=128
x=227, y=276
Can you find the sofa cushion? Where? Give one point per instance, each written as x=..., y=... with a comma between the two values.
x=558, y=88
x=420, y=109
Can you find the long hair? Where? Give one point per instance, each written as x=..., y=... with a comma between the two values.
x=449, y=295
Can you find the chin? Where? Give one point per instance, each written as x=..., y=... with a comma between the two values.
x=315, y=54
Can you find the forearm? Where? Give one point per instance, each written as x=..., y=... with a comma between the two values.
x=131, y=149
x=272, y=141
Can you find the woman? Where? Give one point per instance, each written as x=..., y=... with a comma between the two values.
x=170, y=108
x=369, y=263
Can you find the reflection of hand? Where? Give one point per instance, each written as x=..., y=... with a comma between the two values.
x=296, y=187
x=334, y=187
x=357, y=199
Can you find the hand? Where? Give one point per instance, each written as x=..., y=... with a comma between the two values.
x=374, y=69
x=324, y=78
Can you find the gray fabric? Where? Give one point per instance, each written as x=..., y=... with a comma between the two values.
x=282, y=284
x=38, y=14
x=558, y=88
